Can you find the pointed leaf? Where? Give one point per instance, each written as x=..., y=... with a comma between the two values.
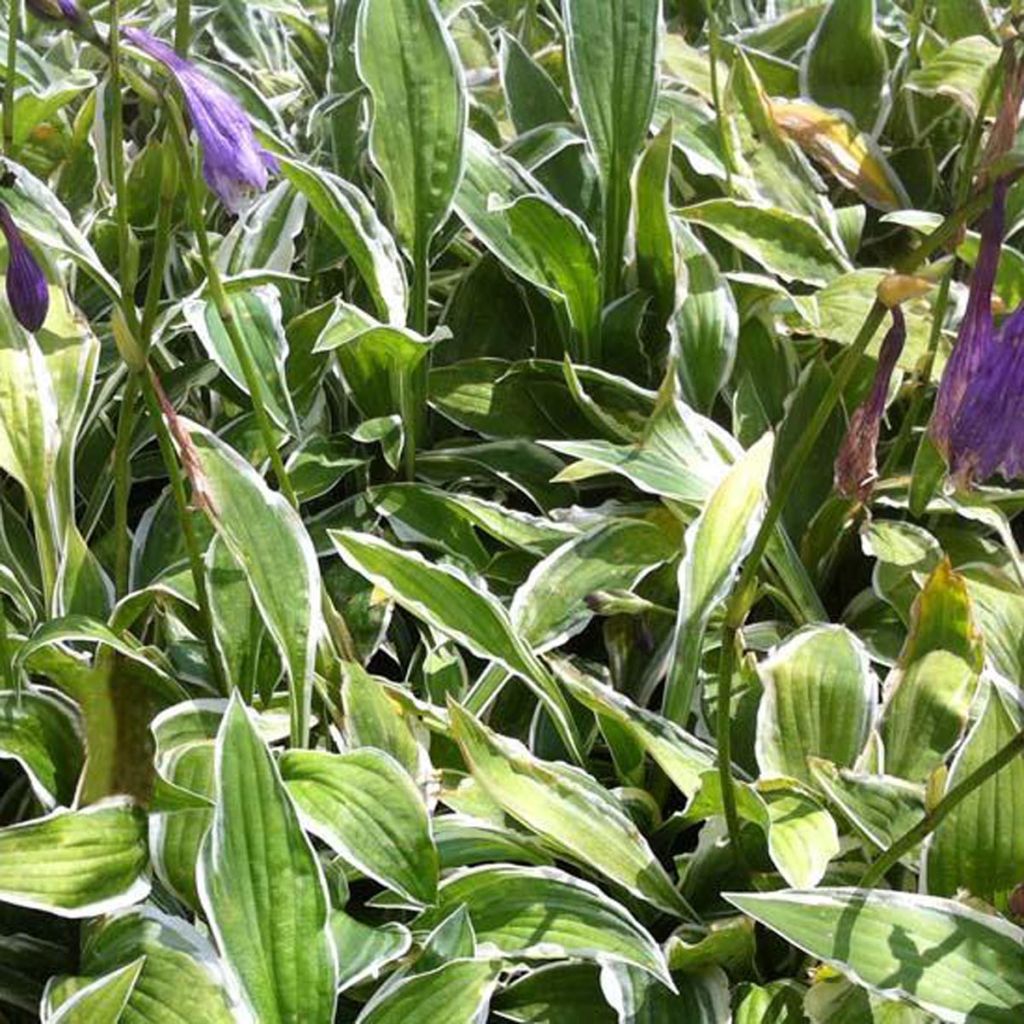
x=262, y=887
x=568, y=808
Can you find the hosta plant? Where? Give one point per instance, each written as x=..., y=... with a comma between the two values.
x=508, y=512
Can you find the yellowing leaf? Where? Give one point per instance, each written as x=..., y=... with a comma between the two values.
x=853, y=157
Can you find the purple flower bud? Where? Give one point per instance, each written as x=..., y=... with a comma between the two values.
x=234, y=163
x=55, y=10
x=977, y=330
x=27, y=291
x=855, y=467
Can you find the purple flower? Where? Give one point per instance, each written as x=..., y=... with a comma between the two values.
x=234, y=163
x=27, y=291
x=979, y=410
x=855, y=467
x=977, y=330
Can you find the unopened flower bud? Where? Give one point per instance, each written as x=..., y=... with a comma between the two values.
x=894, y=289
x=127, y=346
x=27, y=290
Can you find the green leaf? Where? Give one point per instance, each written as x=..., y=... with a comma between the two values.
x=845, y=64
x=681, y=756
x=76, y=863
x=408, y=62
x=352, y=218
x=556, y=994
x=929, y=691
x=446, y=599
x=364, y=951
x=819, y=701
x=39, y=729
x=959, y=71
x=784, y=243
x=716, y=544
x=550, y=606
x=101, y=1001
x=705, y=327
x=257, y=314
x=181, y=977
x=880, y=807
x=261, y=884
x=980, y=845
x=533, y=98
x=373, y=718
x=545, y=914
x=655, y=241
x=456, y=993
x=612, y=51
x=267, y=538
x=568, y=808
x=703, y=996
x=365, y=806
x=948, y=959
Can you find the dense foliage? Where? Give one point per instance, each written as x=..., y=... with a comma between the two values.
x=478, y=538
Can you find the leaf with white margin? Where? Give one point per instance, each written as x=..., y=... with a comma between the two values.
x=39, y=728
x=949, y=959
x=443, y=597
x=459, y=992
x=567, y=807
x=76, y=863
x=681, y=756
x=539, y=913
x=258, y=318
x=364, y=951
x=979, y=846
x=703, y=996
x=269, y=541
x=99, y=1002
x=353, y=219
x=364, y=805
x=716, y=543
x=801, y=834
x=181, y=978
x=819, y=701
x=550, y=605
x=261, y=884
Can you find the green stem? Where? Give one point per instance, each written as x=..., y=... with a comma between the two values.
x=224, y=308
x=6, y=665
x=931, y=821
x=13, y=21
x=916, y=23
x=192, y=549
x=615, y=221
x=182, y=27
x=46, y=549
x=723, y=737
x=419, y=308
x=123, y=481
